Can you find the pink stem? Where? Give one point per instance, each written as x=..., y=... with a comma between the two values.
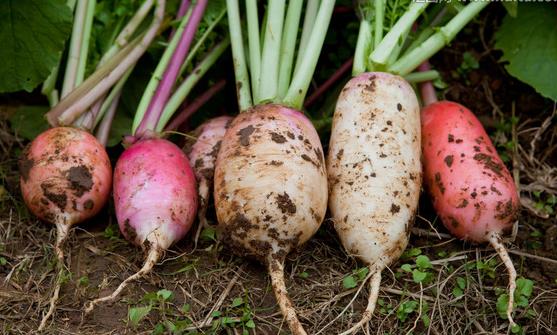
x=327, y=84
x=184, y=6
x=160, y=98
x=190, y=109
x=104, y=127
x=426, y=88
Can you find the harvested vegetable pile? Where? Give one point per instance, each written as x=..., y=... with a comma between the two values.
x=439, y=284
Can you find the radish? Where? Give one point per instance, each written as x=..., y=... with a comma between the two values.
x=203, y=155
x=373, y=164
x=154, y=186
x=471, y=189
x=270, y=181
x=65, y=178
x=65, y=172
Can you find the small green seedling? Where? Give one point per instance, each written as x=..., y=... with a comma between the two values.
x=353, y=279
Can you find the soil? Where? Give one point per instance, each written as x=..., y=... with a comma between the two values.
x=99, y=258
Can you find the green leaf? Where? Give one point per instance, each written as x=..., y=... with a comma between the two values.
x=529, y=44
x=136, y=314
x=516, y=329
x=349, y=282
x=32, y=37
x=186, y=308
x=524, y=287
x=121, y=125
x=304, y=275
x=250, y=324
x=457, y=292
x=418, y=276
x=502, y=302
x=237, y=302
x=29, y=121
x=411, y=253
x=461, y=282
x=164, y=294
x=208, y=234
x=406, y=267
x=361, y=273
x=3, y=261
x=423, y=262
x=511, y=7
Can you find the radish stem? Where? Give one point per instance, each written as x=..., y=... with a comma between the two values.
x=254, y=48
x=288, y=45
x=156, y=105
x=104, y=128
x=363, y=46
x=495, y=241
x=309, y=22
x=70, y=75
x=182, y=10
x=418, y=77
x=239, y=60
x=270, y=59
x=379, y=18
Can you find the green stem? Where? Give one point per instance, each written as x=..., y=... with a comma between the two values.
x=379, y=18
x=72, y=63
x=418, y=77
x=270, y=58
x=363, y=46
x=309, y=20
x=438, y=40
x=239, y=60
x=151, y=87
x=86, y=37
x=380, y=55
x=288, y=45
x=398, y=48
x=253, y=46
x=116, y=90
x=302, y=78
x=187, y=85
x=201, y=41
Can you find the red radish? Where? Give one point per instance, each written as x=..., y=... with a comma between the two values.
x=155, y=200
x=375, y=171
x=270, y=180
x=471, y=189
x=154, y=186
x=271, y=190
x=203, y=155
x=65, y=179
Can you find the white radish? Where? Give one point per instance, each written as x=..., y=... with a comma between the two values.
x=374, y=171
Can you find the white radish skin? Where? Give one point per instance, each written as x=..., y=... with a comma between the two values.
x=203, y=155
x=270, y=190
x=375, y=171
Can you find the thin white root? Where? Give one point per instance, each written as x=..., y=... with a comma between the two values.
x=495, y=241
x=202, y=224
x=61, y=236
x=374, y=285
x=276, y=271
x=152, y=258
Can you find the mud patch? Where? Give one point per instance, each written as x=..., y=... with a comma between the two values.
x=129, y=232
x=244, y=135
x=278, y=138
x=449, y=160
x=489, y=163
x=59, y=199
x=285, y=204
x=89, y=204
x=439, y=183
x=80, y=179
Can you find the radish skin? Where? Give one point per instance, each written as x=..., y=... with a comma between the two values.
x=471, y=189
x=155, y=200
x=65, y=178
x=270, y=190
x=374, y=172
x=203, y=155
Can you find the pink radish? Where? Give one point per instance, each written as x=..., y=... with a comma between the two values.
x=375, y=172
x=65, y=179
x=470, y=187
x=203, y=155
x=154, y=186
x=155, y=200
x=270, y=180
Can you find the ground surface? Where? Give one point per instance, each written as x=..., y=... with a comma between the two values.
x=214, y=292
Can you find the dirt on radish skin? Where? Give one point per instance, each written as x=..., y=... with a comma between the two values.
x=471, y=189
x=270, y=189
x=375, y=171
x=203, y=154
x=155, y=200
x=65, y=176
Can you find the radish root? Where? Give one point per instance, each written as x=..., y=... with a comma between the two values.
x=152, y=257
x=276, y=271
x=61, y=236
x=495, y=241
x=374, y=285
